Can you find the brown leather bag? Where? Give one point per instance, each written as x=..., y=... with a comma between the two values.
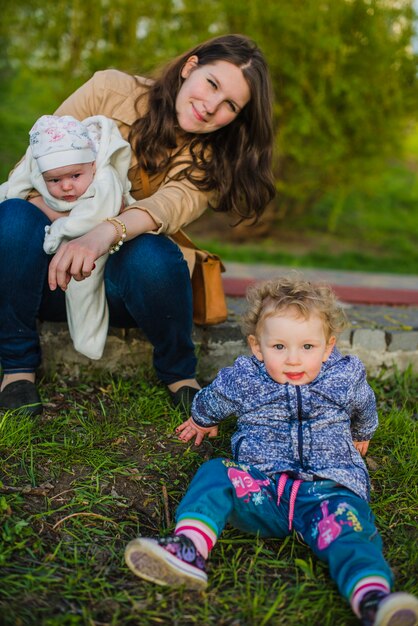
x=209, y=303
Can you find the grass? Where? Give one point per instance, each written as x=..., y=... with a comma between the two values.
x=355, y=259
x=102, y=465
x=24, y=99
x=377, y=231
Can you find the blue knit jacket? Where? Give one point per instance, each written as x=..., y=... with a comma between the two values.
x=306, y=430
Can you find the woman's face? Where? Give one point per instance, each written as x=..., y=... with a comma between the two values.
x=211, y=96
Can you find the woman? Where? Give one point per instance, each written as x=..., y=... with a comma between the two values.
x=201, y=136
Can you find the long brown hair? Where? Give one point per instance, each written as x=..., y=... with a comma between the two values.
x=234, y=160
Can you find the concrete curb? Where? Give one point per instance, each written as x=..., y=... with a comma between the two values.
x=385, y=338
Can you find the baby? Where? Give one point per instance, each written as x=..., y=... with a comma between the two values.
x=81, y=169
x=305, y=415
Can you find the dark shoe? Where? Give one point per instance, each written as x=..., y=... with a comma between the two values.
x=183, y=397
x=394, y=609
x=23, y=395
x=172, y=561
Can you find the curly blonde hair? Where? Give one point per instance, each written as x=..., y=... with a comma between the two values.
x=275, y=296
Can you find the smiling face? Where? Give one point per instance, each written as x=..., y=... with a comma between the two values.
x=69, y=182
x=211, y=95
x=292, y=347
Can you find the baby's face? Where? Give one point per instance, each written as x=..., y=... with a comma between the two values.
x=292, y=347
x=68, y=183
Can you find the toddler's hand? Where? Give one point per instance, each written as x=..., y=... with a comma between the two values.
x=189, y=429
x=361, y=446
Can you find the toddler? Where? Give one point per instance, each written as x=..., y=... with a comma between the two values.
x=80, y=168
x=305, y=417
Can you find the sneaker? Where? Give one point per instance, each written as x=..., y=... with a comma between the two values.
x=172, y=561
x=394, y=609
x=22, y=395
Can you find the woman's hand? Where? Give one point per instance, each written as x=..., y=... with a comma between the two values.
x=76, y=258
x=189, y=429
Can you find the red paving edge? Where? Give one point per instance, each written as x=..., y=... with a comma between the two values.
x=236, y=287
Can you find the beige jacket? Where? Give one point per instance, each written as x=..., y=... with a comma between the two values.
x=172, y=204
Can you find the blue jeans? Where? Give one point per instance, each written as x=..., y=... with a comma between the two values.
x=333, y=521
x=147, y=286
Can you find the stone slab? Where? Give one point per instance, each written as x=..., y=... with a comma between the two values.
x=385, y=338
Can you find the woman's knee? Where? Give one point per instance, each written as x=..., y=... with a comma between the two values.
x=152, y=261
x=157, y=258
x=21, y=221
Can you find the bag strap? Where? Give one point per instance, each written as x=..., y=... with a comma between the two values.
x=146, y=187
x=182, y=239
x=179, y=237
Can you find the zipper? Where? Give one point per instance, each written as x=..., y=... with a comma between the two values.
x=300, y=432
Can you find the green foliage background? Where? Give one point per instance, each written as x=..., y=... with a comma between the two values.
x=344, y=74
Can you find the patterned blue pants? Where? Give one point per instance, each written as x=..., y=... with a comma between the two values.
x=333, y=521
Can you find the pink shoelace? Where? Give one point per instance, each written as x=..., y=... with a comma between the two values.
x=293, y=493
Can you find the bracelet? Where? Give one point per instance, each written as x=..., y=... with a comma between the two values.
x=120, y=237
